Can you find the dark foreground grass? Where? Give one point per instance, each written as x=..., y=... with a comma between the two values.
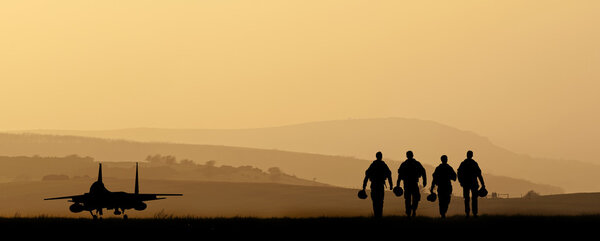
x=320, y=228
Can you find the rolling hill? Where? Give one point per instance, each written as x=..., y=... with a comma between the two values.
x=23, y=168
x=361, y=138
x=333, y=170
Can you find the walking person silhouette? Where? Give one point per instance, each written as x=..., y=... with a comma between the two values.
x=468, y=173
x=442, y=178
x=410, y=171
x=377, y=173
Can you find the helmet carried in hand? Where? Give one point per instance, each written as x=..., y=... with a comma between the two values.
x=362, y=194
x=398, y=191
x=432, y=197
x=482, y=192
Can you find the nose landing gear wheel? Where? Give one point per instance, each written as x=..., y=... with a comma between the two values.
x=125, y=217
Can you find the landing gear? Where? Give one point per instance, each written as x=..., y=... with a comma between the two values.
x=94, y=217
x=124, y=215
x=121, y=211
x=98, y=214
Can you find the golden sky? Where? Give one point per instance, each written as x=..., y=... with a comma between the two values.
x=516, y=71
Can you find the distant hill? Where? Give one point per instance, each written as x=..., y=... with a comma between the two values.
x=361, y=138
x=23, y=168
x=333, y=170
x=229, y=199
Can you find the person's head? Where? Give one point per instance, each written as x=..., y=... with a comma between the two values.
x=379, y=155
x=444, y=159
x=409, y=154
x=470, y=154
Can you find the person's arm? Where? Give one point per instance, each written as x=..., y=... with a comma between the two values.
x=399, y=178
x=452, y=174
x=367, y=175
x=389, y=177
x=480, y=177
x=433, y=179
x=481, y=180
x=424, y=175
x=459, y=174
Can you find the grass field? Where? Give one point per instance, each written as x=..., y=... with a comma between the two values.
x=318, y=228
x=227, y=199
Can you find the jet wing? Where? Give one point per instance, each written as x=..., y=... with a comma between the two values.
x=154, y=196
x=65, y=197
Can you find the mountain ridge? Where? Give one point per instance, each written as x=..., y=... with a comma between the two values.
x=334, y=170
x=361, y=138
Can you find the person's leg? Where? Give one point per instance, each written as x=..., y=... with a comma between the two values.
x=380, y=204
x=377, y=197
x=377, y=208
x=474, y=194
x=407, y=199
x=444, y=201
x=466, y=192
x=416, y=198
x=407, y=202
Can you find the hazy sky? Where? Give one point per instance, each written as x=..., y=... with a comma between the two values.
x=524, y=73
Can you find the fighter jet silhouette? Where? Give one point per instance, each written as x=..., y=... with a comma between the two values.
x=99, y=197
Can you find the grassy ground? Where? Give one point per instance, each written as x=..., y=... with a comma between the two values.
x=321, y=228
x=228, y=199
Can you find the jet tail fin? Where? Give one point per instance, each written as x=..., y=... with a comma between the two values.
x=137, y=183
x=99, y=172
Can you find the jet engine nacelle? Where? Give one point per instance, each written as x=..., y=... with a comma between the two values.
x=76, y=207
x=140, y=206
